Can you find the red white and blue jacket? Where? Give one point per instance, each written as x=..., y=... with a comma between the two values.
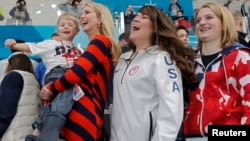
x=223, y=93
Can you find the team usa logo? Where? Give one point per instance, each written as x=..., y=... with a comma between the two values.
x=133, y=70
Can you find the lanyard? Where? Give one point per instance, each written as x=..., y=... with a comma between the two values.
x=73, y=50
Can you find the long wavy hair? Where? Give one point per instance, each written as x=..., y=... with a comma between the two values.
x=165, y=37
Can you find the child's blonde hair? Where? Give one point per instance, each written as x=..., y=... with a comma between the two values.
x=70, y=17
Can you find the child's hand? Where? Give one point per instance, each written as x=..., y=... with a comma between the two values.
x=9, y=43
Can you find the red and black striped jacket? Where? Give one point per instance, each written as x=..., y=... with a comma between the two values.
x=91, y=72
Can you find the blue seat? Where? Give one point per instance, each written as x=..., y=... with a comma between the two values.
x=193, y=41
x=4, y=52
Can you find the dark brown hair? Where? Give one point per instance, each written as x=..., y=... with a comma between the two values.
x=125, y=36
x=181, y=27
x=54, y=34
x=20, y=1
x=20, y=62
x=165, y=37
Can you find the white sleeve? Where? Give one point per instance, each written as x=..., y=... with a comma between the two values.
x=169, y=87
x=41, y=47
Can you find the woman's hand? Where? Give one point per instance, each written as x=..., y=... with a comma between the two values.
x=45, y=93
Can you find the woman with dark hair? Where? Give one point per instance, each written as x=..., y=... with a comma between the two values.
x=19, y=99
x=182, y=33
x=148, y=89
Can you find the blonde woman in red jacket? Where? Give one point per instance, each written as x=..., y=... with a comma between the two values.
x=223, y=68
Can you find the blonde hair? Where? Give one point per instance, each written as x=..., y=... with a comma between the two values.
x=106, y=27
x=70, y=17
x=229, y=31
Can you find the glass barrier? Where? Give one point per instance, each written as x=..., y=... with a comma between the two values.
x=42, y=23
x=40, y=26
x=40, y=14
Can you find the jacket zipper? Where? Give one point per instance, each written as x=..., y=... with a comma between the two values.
x=204, y=70
x=130, y=60
x=151, y=126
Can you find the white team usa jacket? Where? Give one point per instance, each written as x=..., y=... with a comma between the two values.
x=147, y=97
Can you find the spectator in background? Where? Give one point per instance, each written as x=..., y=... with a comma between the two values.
x=19, y=13
x=182, y=33
x=243, y=38
x=180, y=15
x=55, y=36
x=246, y=15
x=243, y=11
x=129, y=16
x=19, y=101
x=1, y=14
x=71, y=6
x=181, y=20
x=123, y=42
x=4, y=62
x=174, y=7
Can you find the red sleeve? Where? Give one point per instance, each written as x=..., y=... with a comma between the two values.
x=96, y=52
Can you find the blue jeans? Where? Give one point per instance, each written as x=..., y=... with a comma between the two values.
x=63, y=101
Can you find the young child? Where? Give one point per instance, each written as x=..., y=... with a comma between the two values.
x=57, y=56
x=41, y=69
